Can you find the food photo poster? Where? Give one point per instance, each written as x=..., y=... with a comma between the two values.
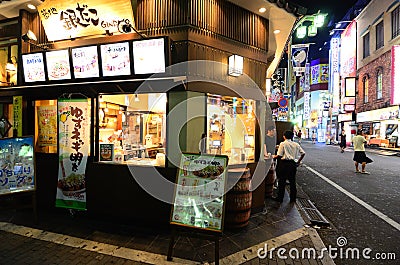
x=73, y=137
x=199, y=194
x=58, y=66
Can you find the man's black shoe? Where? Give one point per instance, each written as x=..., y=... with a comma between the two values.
x=293, y=200
x=276, y=199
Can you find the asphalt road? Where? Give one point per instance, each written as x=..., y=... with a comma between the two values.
x=363, y=210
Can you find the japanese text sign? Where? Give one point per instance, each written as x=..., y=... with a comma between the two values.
x=70, y=19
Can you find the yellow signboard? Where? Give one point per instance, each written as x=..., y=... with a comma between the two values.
x=70, y=19
x=17, y=106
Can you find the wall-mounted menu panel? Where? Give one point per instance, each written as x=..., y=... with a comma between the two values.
x=85, y=62
x=58, y=67
x=33, y=65
x=115, y=59
x=149, y=56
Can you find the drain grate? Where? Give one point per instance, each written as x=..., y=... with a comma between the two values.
x=312, y=213
x=304, y=203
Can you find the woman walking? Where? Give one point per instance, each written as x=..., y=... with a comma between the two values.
x=342, y=141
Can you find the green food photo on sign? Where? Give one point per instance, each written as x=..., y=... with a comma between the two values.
x=199, y=196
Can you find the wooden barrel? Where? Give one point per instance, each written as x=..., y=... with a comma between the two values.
x=270, y=180
x=238, y=198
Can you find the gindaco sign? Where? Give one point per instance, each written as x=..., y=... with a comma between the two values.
x=70, y=19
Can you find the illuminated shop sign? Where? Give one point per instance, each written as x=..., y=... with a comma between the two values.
x=334, y=76
x=85, y=62
x=33, y=65
x=390, y=113
x=126, y=58
x=115, y=59
x=348, y=51
x=70, y=19
x=395, y=99
x=58, y=67
x=148, y=56
x=319, y=74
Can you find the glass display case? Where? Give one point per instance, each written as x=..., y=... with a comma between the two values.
x=132, y=128
x=231, y=128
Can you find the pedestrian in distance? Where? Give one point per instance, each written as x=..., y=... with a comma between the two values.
x=299, y=133
x=270, y=148
x=289, y=156
x=359, y=152
x=203, y=144
x=314, y=137
x=342, y=141
x=270, y=141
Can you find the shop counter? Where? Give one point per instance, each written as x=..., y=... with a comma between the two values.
x=114, y=191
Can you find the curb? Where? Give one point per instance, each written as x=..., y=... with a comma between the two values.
x=319, y=246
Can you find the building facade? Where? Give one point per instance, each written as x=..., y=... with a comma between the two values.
x=377, y=104
x=133, y=121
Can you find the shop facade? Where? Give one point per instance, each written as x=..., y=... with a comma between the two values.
x=142, y=111
x=380, y=126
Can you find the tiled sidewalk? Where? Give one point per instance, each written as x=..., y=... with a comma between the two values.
x=59, y=238
x=297, y=252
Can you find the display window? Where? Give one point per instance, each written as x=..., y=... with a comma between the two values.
x=6, y=120
x=132, y=128
x=46, y=125
x=8, y=63
x=231, y=128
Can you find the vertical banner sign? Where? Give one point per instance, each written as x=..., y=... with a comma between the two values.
x=47, y=126
x=306, y=105
x=73, y=133
x=307, y=78
x=334, y=77
x=17, y=106
x=299, y=57
x=395, y=98
x=278, y=84
x=315, y=74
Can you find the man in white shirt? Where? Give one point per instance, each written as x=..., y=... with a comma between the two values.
x=287, y=155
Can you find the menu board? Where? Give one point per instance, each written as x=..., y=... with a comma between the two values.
x=106, y=152
x=58, y=67
x=85, y=61
x=149, y=56
x=17, y=165
x=115, y=59
x=33, y=65
x=199, y=193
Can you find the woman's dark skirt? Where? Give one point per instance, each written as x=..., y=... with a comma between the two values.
x=360, y=157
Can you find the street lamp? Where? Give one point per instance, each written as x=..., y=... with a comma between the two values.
x=317, y=20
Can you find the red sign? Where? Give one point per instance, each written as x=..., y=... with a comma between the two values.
x=283, y=102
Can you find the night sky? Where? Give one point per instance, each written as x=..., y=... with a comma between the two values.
x=336, y=10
